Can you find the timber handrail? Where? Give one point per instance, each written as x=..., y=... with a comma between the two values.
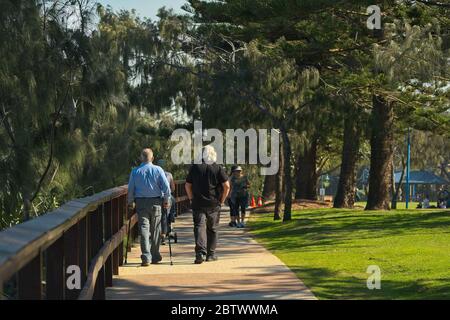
x=87, y=292
x=87, y=232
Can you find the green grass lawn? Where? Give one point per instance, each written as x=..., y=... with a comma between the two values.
x=400, y=205
x=330, y=250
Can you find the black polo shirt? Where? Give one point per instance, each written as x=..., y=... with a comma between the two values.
x=206, y=182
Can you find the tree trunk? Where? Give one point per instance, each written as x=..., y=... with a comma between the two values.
x=306, y=173
x=394, y=196
x=345, y=196
x=287, y=174
x=380, y=176
x=279, y=186
x=26, y=207
x=269, y=187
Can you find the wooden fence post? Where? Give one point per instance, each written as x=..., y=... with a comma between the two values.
x=55, y=272
x=108, y=234
x=83, y=232
x=121, y=209
x=115, y=229
x=30, y=280
x=97, y=242
x=128, y=214
x=71, y=258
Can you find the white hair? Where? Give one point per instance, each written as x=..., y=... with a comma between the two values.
x=147, y=155
x=209, y=154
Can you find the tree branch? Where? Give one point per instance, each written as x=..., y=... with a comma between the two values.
x=7, y=125
x=434, y=3
x=52, y=145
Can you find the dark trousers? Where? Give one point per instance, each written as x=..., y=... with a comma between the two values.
x=230, y=204
x=206, y=223
x=239, y=203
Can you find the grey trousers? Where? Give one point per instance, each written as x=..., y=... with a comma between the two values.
x=149, y=213
x=206, y=223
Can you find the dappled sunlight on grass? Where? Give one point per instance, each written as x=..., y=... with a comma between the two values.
x=330, y=250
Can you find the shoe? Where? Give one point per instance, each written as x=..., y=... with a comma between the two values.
x=145, y=264
x=156, y=261
x=211, y=257
x=199, y=259
x=232, y=224
x=240, y=225
x=163, y=241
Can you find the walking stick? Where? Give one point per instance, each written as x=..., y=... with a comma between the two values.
x=170, y=251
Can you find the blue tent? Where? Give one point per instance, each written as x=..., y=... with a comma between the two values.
x=421, y=177
x=423, y=182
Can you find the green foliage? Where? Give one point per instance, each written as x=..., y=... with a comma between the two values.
x=77, y=104
x=79, y=100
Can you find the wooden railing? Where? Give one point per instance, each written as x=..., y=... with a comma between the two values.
x=88, y=233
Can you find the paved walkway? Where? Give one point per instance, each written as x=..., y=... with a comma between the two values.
x=245, y=270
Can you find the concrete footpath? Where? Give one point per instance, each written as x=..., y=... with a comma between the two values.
x=245, y=270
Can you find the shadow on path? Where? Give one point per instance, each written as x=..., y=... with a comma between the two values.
x=245, y=270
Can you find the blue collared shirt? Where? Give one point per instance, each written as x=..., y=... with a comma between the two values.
x=148, y=181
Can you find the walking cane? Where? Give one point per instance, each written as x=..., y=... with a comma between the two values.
x=170, y=251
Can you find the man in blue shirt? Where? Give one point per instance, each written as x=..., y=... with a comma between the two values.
x=149, y=189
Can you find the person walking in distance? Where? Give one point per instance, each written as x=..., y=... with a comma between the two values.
x=233, y=217
x=239, y=195
x=149, y=190
x=207, y=188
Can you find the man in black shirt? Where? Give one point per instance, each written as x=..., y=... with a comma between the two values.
x=207, y=187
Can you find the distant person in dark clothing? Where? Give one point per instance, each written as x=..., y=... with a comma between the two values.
x=443, y=197
x=426, y=202
x=239, y=195
x=233, y=217
x=207, y=188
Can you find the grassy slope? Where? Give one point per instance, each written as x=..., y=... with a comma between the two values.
x=400, y=205
x=330, y=251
